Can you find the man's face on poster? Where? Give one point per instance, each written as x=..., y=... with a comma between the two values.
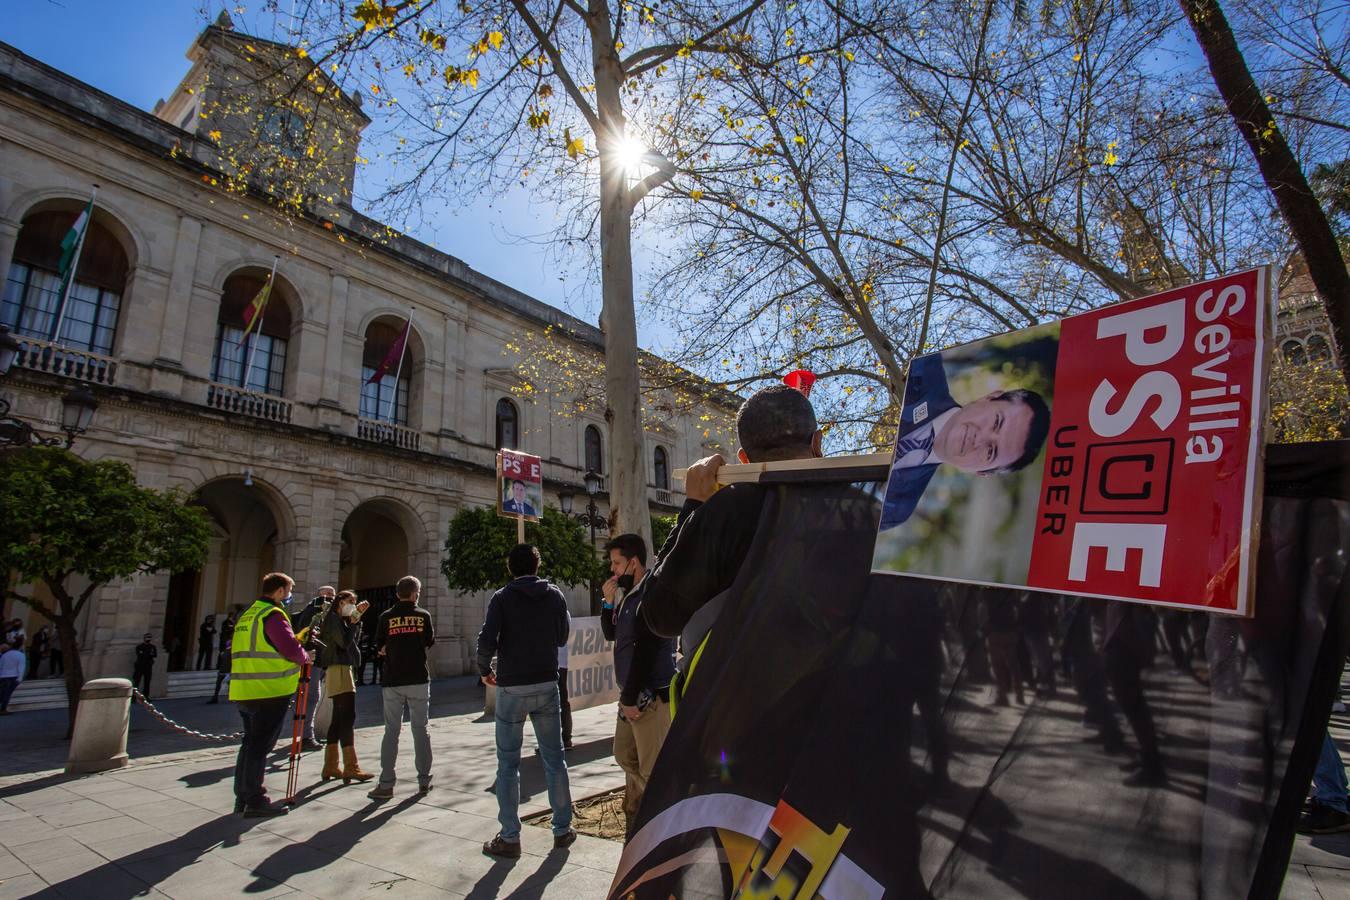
x=518, y=492
x=985, y=436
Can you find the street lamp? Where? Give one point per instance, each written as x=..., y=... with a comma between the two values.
x=590, y=517
x=77, y=408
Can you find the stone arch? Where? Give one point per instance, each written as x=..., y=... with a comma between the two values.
x=295, y=301
x=417, y=342
x=108, y=213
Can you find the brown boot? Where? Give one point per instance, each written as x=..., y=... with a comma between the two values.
x=332, y=768
x=351, y=769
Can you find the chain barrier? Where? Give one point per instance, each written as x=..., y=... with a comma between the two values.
x=140, y=698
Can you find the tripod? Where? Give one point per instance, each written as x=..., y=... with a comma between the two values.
x=297, y=732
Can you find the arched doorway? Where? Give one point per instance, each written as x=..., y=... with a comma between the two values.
x=375, y=553
x=243, y=549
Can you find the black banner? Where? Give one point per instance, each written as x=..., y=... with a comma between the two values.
x=850, y=735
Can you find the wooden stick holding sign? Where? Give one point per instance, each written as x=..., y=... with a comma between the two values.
x=826, y=467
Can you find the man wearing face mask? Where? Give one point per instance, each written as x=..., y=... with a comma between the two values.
x=644, y=694
x=265, y=663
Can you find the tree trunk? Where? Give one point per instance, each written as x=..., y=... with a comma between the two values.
x=618, y=316
x=1279, y=168
x=70, y=656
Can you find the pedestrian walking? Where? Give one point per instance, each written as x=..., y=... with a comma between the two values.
x=341, y=635
x=402, y=637
x=222, y=667
x=37, y=650
x=144, y=667
x=12, y=666
x=264, y=672
x=303, y=618
x=206, y=642
x=526, y=623
x=58, y=665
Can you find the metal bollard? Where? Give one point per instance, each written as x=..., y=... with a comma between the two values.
x=101, y=723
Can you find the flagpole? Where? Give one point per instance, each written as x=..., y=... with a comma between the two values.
x=398, y=373
x=74, y=268
x=253, y=347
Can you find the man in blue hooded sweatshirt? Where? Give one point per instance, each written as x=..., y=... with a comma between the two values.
x=526, y=623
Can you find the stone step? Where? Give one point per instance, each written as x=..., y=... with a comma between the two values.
x=191, y=684
x=50, y=693
x=40, y=693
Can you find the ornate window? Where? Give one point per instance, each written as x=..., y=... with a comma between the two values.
x=595, y=457
x=662, y=466
x=508, y=425
x=1293, y=352
x=267, y=347
x=33, y=287
x=386, y=399
x=1318, y=348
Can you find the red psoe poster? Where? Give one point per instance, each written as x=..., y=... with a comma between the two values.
x=520, y=485
x=1113, y=454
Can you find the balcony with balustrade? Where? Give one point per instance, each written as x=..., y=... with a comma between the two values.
x=236, y=401
x=54, y=359
x=389, y=434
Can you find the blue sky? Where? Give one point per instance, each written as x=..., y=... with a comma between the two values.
x=136, y=52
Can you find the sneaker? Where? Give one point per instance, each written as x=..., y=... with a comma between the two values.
x=264, y=812
x=504, y=849
x=566, y=839
x=382, y=792
x=1323, y=820
x=424, y=787
x=309, y=744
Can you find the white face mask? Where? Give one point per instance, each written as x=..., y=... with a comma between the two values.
x=346, y=609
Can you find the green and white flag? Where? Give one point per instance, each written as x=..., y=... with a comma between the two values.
x=70, y=244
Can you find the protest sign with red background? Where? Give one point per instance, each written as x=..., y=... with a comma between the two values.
x=1151, y=480
x=514, y=467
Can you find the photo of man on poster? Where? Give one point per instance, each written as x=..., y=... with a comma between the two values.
x=517, y=501
x=960, y=501
x=1001, y=432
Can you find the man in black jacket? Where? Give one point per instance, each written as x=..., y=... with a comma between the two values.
x=526, y=623
x=644, y=696
x=402, y=637
x=145, y=665
x=715, y=528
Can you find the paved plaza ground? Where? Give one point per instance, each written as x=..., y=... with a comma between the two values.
x=163, y=826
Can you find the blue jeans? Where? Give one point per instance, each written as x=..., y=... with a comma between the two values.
x=417, y=698
x=538, y=702
x=1329, y=787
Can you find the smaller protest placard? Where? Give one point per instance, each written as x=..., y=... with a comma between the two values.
x=520, y=485
x=1113, y=454
x=590, y=666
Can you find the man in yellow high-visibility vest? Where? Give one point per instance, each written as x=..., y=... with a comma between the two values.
x=265, y=663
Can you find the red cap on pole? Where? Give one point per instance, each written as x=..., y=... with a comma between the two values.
x=800, y=380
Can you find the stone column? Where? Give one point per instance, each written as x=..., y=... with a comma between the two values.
x=173, y=324
x=330, y=391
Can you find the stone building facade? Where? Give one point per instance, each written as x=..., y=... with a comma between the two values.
x=304, y=466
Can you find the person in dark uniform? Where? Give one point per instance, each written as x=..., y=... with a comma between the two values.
x=206, y=639
x=223, y=656
x=146, y=651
